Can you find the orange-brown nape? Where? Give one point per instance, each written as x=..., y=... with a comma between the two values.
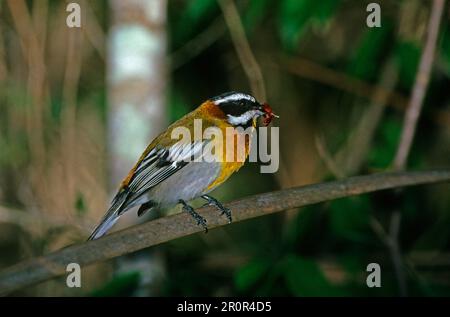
x=209, y=108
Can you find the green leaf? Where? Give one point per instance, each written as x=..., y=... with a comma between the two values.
x=365, y=62
x=383, y=151
x=251, y=273
x=349, y=217
x=15, y=152
x=445, y=47
x=256, y=10
x=301, y=230
x=56, y=107
x=178, y=106
x=407, y=56
x=198, y=9
x=122, y=285
x=196, y=12
x=324, y=10
x=80, y=205
x=301, y=225
x=303, y=277
x=296, y=15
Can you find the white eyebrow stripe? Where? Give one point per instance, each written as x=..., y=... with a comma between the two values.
x=234, y=97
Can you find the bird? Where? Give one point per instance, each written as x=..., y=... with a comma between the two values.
x=163, y=177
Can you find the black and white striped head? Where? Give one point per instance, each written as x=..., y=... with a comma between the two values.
x=240, y=109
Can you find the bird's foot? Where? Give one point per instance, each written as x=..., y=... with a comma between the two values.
x=211, y=201
x=200, y=220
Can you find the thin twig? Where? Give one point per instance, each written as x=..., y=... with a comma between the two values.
x=243, y=49
x=32, y=221
x=176, y=226
x=314, y=71
x=327, y=157
x=355, y=152
x=420, y=86
x=352, y=155
x=396, y=254
x=93, y=30
x=433, y=258
x=391, y=241
x=198, y=44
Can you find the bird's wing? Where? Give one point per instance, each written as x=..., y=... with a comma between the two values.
x=159, y=164
x=155, y=165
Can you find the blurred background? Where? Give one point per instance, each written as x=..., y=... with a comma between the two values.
x=78, y=105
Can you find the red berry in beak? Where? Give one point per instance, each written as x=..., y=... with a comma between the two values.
x=268, y=114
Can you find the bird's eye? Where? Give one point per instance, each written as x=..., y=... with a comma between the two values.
x=242, y=103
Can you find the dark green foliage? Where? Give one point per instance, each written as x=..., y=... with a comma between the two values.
x=191, y=20
x=349, y=218
x=120, y=285
x=80, y=204
x=296, y=15
x=386, y=141
x=250, y=274
x=303, y=277
x=445, y=46
x=256, y=12
x=367, y=56
x=408, y=55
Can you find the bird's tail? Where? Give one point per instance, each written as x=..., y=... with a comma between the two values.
x=112, y=215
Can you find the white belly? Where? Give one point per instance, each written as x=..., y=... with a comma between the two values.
x=188, y=183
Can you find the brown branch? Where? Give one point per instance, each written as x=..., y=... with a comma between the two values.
x=243, y=49
x=409, y=128
x=314, y=71
x=180, y=225
x=322, y=74
x=328, y=158
x=420, y=86
x=390, y=239
x=93, y=30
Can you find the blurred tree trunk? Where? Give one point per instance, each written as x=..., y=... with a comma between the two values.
x=137, y=78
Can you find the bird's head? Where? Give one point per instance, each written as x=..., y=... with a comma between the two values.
x=241, y=109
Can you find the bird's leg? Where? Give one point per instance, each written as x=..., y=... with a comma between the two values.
x=200, y=220
x=211, y=201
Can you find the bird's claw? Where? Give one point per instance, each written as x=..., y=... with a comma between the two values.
x=200, y=220
x=211, y=201
x=227, y=213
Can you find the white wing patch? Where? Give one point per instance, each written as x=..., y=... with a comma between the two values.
x=234, y=97
x=159, y=164
x=185, y=152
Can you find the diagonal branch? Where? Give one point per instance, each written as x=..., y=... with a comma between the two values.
x=420, y=86
x=409, y=129
x=243, y=49
x=311, y=70
x=172, y=227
